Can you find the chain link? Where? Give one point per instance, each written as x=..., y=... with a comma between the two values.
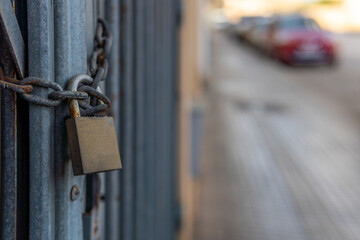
x=91, y=101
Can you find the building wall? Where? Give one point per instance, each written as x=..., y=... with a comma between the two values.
x=189, y=89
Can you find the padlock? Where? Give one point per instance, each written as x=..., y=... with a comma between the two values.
x=92, y=140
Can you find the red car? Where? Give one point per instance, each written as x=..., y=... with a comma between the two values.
x=298, y=39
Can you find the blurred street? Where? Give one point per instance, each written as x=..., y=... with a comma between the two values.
x=281, y=159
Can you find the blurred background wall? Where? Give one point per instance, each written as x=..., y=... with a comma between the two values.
x=194, y=69
x=189, y=80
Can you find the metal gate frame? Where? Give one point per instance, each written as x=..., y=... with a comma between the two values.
x=40, y=197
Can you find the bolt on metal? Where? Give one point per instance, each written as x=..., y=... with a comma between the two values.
x=75, y=192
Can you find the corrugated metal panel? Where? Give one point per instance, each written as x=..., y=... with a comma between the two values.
x=150, y=119
x=140, y=199
x=127, y=118
x=112, y=194
x=139, y=92
x=70, y=59
x=41, y=64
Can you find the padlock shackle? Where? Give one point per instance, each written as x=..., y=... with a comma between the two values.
x=73, y=86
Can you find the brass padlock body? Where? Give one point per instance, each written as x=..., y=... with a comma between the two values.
x=93, y=145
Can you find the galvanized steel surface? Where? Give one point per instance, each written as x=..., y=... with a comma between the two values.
x=13, y=215
x=150, y=130
x=15, y=41
x=70, y=59
x=8, y=165
x=127, y=118
x=139, y=200
x=41, y=64
x=139, y=112
x=112, y=180
x=98, y=69
x=26, y=86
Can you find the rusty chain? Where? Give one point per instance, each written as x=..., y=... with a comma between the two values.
x=91, y=101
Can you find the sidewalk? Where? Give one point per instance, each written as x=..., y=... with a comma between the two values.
x=281, y=159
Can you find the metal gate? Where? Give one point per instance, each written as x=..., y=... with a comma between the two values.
x=53, y=40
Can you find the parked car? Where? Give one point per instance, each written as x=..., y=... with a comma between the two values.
x=243, y=27
x=259, y=34
x=299, y=39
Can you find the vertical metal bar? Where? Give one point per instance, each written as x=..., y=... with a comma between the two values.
x=14, y=39
x=112, y=198
x=9, y=183
x=175, y=21
x=99, y=212
x=172, y=25
x=164, y=210
x=164, y=224
x=150, y=119
x=171, y=112
x=41, y=64
x=140, y=55
x=159, y=103
x=166, y=117
x=127, y=114
x=70, y=59
x=93, y=216
x=14, y=161
x=23, y=191
x=8, y=164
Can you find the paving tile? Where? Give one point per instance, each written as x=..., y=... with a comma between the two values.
x=281, y=156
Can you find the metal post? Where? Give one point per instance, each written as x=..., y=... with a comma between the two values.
x=23, y=198
x=112, y=191
x=127, y=118
x=41, y=64
x=70, y=59
x=8, y=164
x=172, y=113
x=150, y=119
x=167, y=81
x=164, y=223
x=12, y=51
x=175, y=12
x=158, y=108
x=140, y=170
x=166, y=165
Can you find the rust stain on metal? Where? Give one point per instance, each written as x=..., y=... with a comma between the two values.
x=124, y=8
x=11, y=86
x=96, y=227
x=74, y=108
x=101, y=57
x=14, y=132
x=34, y=81
x=12, y=80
